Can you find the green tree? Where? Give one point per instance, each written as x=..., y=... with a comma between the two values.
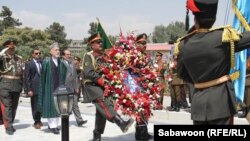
x=7, y=21
x=57, y=34
x=27, y=39
x=172, y=32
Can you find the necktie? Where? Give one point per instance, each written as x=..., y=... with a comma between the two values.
x=39, y=66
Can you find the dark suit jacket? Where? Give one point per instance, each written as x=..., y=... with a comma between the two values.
x=31, y=77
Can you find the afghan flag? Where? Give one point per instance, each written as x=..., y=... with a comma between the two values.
x=241, y=23
x=106, y=42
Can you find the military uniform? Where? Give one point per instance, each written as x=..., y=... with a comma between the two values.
x=161, y=68
x=141, y=129
x=204, y=58
x=93, y=91
x=176, y=89
x=11, y=67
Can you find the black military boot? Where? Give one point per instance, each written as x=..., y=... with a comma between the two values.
x=172, y=108
x=97, y=136
x=10, y=130
x=124, y=125
x=141, y=133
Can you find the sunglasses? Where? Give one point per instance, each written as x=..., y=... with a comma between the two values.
x=37, y=53
x=98, y=42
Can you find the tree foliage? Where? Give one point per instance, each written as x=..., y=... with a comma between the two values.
x=27, y=39
x=172, y=32
x=7, y=21
x=57, y=34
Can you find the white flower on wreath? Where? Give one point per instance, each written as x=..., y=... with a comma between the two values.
x=124, y=100
x=150, y=84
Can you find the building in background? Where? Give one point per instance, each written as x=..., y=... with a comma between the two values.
x=77, y=48
x=165, y=48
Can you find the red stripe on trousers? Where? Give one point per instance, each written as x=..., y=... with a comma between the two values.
x=4, y=119
x=105, y=109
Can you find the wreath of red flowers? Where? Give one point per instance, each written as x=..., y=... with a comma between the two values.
x=122, y=60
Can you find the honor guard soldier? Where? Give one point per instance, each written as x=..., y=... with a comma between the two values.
x=94, y=88
x=141, y=128
x=205, y=57
x=161, y=67
x=11, y=71
x=176, y=87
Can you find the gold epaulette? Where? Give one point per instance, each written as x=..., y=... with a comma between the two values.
x=177, y=44
x=229, y=35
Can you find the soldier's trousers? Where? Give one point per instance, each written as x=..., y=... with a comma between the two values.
x=175, y=95
x=9, y=103
x=104, y=111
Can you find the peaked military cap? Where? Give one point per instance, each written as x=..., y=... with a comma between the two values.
x=203, y=8
x=158, y=53
x=8, y=41
x=94, y=37
x=141, y=38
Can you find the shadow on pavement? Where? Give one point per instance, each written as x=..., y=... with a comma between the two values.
x=22, y=126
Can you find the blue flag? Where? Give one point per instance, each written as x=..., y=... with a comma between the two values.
x=241, y=57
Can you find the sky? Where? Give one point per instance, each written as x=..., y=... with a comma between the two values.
x=129, y=15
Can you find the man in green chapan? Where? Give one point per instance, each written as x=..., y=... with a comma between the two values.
x=52, y=76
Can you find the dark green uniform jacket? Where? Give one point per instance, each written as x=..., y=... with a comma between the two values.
x=91, y=88
x=203, y=57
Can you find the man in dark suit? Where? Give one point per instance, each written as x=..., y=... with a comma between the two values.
x=94, y=88
x=73, y=82
x=205, y=57
x=32, y=75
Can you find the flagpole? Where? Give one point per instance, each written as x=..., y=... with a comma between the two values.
x=97, y=19
x=227, y=12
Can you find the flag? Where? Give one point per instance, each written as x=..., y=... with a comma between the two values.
x=106, y=42
x=240, y=23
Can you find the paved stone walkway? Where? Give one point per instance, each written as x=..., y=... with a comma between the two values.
x=26, y=132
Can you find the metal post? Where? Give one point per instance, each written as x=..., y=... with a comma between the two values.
x=65, y=128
